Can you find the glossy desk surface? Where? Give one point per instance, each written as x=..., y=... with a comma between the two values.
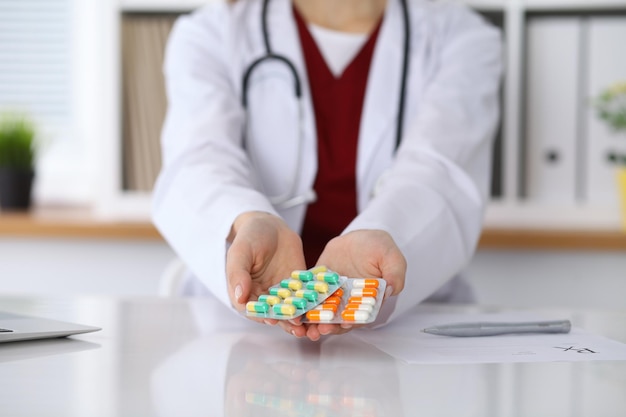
x=177, y=357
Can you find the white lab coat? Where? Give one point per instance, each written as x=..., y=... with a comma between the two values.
x=431, y=197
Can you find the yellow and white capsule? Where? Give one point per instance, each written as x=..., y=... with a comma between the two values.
x=320, y=315
x=292, y=284
x=318, y=286
x=362, y=300
x=304, y=276
x=365, y=283
x=284, y=309
x=269, y=299
x=364, y=292
x=355, y=315
x=329, y=277
x=280, y=292
x=257, y=307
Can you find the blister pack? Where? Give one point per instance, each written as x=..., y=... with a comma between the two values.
x=357, y=301
x=322, y=296
x=297, y=295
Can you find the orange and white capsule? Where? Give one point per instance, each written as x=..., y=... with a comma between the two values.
x=355, y=315
x=320, y=315
x=360, y=307
x=338, y=292
x=362, y=300
x=364, y=283
x=333, y=299
x=330, y=307
x=364, y=292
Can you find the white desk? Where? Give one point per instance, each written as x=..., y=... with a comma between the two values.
x=158, y=357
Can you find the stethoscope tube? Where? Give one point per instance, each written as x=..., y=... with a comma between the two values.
x=290, y=199
x=269, y=55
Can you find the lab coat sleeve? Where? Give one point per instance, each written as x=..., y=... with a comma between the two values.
x=206, y=179
x=432, y=200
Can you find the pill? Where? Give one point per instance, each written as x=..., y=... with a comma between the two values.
x=320, y=315
x=292, y=284
x=362, y=300
x=269, y=299
x=317, y=286
x=364, y=283
x=329, y=277
x=296, y=301
x=257, y=307
x=331, y=307
x=333, y=299
x=361, y=307
x=317, y=269
x=364, y=292
x=281, y=292
x=284, y=309
x=302, y=275
x=309, y=295
x=355, y=315
x=339, y=292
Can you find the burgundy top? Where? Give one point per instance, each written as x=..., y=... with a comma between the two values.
x=337, y=103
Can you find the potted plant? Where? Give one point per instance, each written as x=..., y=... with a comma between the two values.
x=611, y=108
x=17, y=161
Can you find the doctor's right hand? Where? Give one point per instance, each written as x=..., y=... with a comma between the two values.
x=263, y=250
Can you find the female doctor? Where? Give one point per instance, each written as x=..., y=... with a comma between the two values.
x=354, y=134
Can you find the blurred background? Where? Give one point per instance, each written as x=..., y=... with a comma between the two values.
x=85, y=77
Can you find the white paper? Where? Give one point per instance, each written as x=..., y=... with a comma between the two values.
x=405, y=340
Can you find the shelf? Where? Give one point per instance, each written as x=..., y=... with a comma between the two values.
x=74, y=223
x=82, y=223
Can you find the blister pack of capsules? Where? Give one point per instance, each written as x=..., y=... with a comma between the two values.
x=322, y=296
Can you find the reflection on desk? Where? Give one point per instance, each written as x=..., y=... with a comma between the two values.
x=180, y=357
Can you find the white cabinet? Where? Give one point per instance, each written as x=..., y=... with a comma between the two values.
x=551, y=168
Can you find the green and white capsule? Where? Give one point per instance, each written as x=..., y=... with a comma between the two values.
x=280, y=292
x=257, y=307
x=318, y=286
x=329, y=277
x=284, y=309
x=269, y=299
x=304, y=276
x=292, y=284
x=296, y=301
x=309, y=295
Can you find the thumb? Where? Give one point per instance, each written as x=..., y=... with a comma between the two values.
x=238, y=276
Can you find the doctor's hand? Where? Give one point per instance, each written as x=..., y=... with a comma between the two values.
x=263, y=251
x=362, y=254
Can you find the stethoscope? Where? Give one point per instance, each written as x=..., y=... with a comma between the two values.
x=290, y=198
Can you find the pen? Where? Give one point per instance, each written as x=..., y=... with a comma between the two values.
x=495, y=328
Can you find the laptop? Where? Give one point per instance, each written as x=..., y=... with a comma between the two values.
x=16, y=327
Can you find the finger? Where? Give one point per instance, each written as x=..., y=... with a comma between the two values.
x=393, y=270
x=238, y=267
x=292, y=329
x=312, y=332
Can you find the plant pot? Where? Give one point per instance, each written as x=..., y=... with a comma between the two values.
x=621, y=186
x=15, y=188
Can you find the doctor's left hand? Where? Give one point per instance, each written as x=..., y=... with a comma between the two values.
x=263, y=250
x=365, y=254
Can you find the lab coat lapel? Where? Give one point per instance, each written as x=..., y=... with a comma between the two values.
x=285, y=41
x=380, y=107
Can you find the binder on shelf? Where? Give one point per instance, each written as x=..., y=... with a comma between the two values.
x=144, y=102
x=551, y=112
x=607, y=65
